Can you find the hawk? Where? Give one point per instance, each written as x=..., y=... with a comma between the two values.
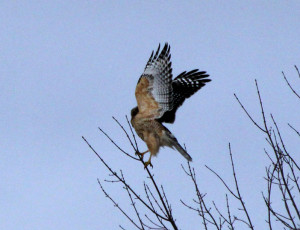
x=158, y=97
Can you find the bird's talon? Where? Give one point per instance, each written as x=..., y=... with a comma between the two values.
x=148, y=163
x=141, y=154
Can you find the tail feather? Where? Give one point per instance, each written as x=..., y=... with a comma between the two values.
x=182, y=151
x=171, y=141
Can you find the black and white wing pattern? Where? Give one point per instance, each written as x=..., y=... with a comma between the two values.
x=154, y=92
x=184, y=86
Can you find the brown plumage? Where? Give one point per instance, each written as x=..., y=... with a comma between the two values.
x=158, y=98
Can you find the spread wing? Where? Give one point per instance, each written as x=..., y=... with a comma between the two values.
x=154, y=93
x=184, y=86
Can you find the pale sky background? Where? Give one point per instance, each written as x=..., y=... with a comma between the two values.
x=66, y=67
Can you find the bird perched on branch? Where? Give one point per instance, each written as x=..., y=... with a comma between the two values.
x=158, y=97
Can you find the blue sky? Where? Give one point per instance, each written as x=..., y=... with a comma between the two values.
x=66, y=67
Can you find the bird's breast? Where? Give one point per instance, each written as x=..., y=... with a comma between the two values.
x=145, y=127
x=145, y=100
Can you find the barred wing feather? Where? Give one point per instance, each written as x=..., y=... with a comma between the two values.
x=184, y=86
x=158, y=74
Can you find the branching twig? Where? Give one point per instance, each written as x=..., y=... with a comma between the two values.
x=237, y=195
x=258, y=126
x=164, y=213
x=121, y=180
x=116, y=205
x=282, y=171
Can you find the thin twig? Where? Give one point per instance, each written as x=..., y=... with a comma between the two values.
x=116, y=205
x=232, y=193
x=127, y=154
x=118, y=177
x=132, y=133
x=121, y=126
x=231, y=222
x=290, y=85
x=238, y=191
x=203, y=208
x=133, y=203
x=248, y=114
x=294, y=129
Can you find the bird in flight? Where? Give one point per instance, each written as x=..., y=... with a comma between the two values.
x=158, y=97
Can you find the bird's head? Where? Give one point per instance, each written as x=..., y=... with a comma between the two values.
x=134, y=112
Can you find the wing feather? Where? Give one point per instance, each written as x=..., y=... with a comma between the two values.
x=154, y=89
x=184, y=86
x=158, y=96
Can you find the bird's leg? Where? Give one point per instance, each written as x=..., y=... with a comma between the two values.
x=148, y=162
x=141, y=154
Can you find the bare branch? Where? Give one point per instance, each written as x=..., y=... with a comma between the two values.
x=132, y=133
x=297, y=71
x=290, y=85
x=129, y=139
x=232, y=193
x=248, y=114
x=121, y=180
x=284, y=166
x=230, y=221
x=133, y=203
x=294, y=129
x=127, y=154
x=238, y=191
x=116, y=205
x=203, y=210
